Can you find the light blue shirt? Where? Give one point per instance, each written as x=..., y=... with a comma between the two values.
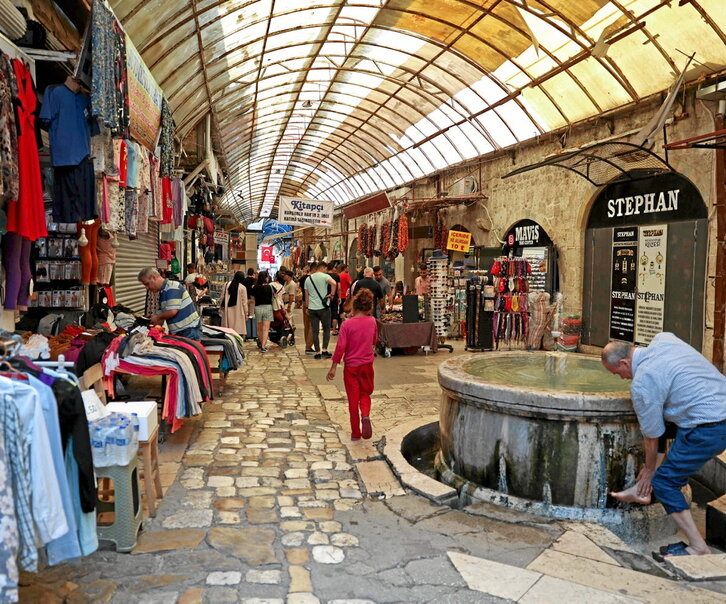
x=674, y=382
x=65, y=547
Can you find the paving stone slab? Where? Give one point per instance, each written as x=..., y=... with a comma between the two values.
x=698, y=568
x=159, y=541
x=254, y=545
x=378, y=478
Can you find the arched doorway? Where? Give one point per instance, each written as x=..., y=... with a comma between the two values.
x=645, y=261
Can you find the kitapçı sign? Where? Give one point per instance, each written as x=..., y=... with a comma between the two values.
x=306, y=212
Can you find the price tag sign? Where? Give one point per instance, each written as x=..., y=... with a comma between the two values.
x=458, y=241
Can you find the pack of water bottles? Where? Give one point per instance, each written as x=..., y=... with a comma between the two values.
x=114, y=439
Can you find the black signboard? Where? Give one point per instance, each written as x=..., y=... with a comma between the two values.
x=525, y=233
x=624, y=274
x=660, y=199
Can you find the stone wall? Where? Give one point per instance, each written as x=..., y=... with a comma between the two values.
x=560, y=200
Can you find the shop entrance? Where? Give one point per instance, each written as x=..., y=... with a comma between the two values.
x=528, y=239
x=645, y=262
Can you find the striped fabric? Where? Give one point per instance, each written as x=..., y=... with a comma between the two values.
x=174, y=296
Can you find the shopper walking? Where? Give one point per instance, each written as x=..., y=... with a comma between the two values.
x=306, y=318
x=234, y=304
x=335, y=300
x=358, y=336
x=319, y=297
x=263, y=294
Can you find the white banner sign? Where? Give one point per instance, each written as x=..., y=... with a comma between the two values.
x=650, y=303
x=305, y=212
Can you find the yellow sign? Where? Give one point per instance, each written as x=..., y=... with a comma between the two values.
x=458, y=241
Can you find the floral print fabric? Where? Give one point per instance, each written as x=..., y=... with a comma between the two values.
x=8, y=531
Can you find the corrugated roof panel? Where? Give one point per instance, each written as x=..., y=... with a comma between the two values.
x=395, y=72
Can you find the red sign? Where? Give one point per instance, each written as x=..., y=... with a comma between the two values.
x=510, y=239
x=267, y=255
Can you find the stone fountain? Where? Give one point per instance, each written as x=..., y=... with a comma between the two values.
x=542, y=432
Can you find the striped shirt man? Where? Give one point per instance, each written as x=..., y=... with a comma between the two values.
x=174, y=296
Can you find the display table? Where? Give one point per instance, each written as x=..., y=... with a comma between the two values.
x=407, y=335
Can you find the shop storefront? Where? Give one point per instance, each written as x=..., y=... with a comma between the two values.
x=645, y=262
x=528, y=240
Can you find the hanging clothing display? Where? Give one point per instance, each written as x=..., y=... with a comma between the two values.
x=9, y=177
x=67, y=117
x=26, y=215
x=166, y=141
x=109, y=84
x=510, y=322
x=43, y=499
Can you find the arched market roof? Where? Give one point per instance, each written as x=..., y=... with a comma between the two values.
x=335, y=99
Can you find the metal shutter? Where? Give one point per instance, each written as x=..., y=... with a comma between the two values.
x=131, y=257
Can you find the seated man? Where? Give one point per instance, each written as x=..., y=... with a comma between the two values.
x=672, y=382
x=177, y=307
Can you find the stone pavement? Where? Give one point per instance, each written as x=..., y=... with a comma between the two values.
x=271, y=502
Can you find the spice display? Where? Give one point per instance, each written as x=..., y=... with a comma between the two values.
x=371, y=240
x=402, y=232
x=362, y=239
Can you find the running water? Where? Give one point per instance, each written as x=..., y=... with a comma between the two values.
x=503, y=488
x=547, y=494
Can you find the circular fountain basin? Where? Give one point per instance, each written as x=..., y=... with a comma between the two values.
x=564, y=436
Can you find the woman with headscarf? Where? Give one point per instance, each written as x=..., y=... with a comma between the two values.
x=234, y=300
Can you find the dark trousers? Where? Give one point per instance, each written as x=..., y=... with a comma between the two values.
x=318, y=317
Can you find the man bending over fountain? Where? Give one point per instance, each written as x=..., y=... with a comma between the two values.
x=672, y=382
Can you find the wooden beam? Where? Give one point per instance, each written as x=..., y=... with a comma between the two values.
x=56, y=22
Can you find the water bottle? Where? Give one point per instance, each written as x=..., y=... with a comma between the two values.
x=97, y=445
x=135, y=423
x=122, y=445
x=111, y=448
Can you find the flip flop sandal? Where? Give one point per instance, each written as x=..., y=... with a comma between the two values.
x=674, y=551
x=668, y=549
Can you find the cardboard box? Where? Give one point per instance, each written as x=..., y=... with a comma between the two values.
x=146, y=410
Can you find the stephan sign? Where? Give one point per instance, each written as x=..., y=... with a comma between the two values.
x=656, y=200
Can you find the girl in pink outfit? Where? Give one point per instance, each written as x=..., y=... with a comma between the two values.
x=357, y=337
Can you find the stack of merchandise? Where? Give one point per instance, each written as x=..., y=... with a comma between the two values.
x=439, y=300
x=511, y=316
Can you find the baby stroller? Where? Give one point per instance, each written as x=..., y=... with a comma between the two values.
x=281, y=330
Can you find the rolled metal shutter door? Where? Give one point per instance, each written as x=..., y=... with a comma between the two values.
x=12, y=22
x=131, y=257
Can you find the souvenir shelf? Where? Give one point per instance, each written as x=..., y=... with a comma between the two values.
x=440, y=303
x=458, y=293
x=479, y=311
x=510, y=321
x=58, y=273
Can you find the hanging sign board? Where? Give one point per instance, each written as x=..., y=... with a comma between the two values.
x=145, y=99
x=525, y=233
x=650, y=304
x=221, y=238
x=305, y=212
x=623, y=284
x=458, y=241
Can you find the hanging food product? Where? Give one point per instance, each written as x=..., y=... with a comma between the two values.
x=371, y=240
x=362, y=235
x=386, y=237
x=440, y=233
x=402, y=233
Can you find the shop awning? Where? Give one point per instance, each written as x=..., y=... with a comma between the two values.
x=605, y=162
x=340, y=99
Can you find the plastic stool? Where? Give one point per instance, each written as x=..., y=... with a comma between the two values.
x=126, y=506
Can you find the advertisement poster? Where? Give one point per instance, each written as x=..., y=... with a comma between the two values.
x=305, y=212
x=623, y=284
x=650, y=304
x=144, y=99
x=458, y=241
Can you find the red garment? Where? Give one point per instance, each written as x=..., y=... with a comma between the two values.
x=167, y=206
x=89, y=252
x=26, y=215
x=345, y=282
x=165, y=251
x=355, y=343
x=123, y=165
x=359, y=387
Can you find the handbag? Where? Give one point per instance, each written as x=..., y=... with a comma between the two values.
x=326, y=300
x=276, y=305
